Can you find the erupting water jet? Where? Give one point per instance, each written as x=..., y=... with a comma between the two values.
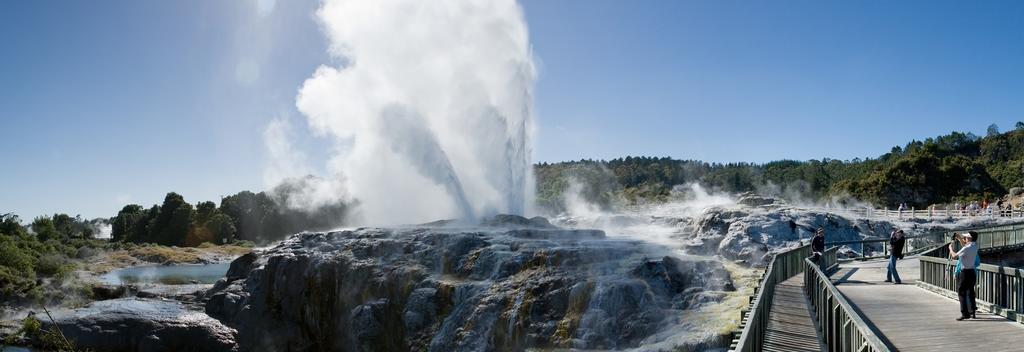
x=431, y=108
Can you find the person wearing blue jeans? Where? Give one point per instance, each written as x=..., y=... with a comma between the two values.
x=897, y=242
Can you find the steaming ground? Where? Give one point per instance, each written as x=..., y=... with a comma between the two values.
x=668, y=225
x=741, y=232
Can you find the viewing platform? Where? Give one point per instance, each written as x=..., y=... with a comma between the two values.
x=851, y=308
x=910, y=318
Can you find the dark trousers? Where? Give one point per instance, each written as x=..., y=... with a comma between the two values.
x=965, y=289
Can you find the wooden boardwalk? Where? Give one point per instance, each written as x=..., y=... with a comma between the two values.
x=790, y=326
x=910, y=318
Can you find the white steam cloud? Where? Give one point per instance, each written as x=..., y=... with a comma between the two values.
x=288, y=171
x=431, y=108
x=284, y=161
x=103, y=231
x=655, y=222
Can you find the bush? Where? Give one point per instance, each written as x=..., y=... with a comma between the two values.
x=13, y=257
x=51, y=265
x=30, y=327
x=16, y=283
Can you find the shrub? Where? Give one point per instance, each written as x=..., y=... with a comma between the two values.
x=50, y=265
x=16, y=283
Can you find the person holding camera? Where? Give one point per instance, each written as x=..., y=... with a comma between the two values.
x=897, y=241
x=966, y=273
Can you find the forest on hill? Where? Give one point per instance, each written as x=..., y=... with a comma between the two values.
x=949, y=168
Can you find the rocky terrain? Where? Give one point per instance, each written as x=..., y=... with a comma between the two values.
x=144, y=325
x=514, y=284
x=753, y=232
x=749, y=229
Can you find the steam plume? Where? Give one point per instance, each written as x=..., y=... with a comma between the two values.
x=430, y=106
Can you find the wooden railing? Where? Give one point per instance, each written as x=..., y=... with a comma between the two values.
x=842, y=328
x=925, y=213
x=829, y=260
x=915, y=244
x=999, y=237
x=1000, y=289
x=781, y=267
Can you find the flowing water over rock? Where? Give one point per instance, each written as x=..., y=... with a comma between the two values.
x=516, y=284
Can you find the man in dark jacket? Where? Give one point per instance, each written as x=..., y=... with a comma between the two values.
x=896, y=241
x=818, y=245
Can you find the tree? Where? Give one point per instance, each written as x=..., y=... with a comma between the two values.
x=222, y=227
x=210, y=225
x=172, y=222
x=72, y=227
x=10, y=225
x=993, y=130
x=205, y=211
x=1020, y=125
x=129, y=223
x=43, y=228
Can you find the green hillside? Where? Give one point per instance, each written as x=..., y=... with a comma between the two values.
x=953, y=167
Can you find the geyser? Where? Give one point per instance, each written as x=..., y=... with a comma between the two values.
x=429, y=106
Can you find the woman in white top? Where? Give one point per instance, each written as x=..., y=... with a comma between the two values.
x=968, y=277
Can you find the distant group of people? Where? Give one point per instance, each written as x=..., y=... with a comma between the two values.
x=983, y=207
x=967, y=263
x=974, y=208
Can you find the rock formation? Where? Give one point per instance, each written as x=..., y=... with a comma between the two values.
x=142, y=325
x=516, y=283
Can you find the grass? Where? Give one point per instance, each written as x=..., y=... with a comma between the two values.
x=161, y=255
x=228, y=250
x=154, y=254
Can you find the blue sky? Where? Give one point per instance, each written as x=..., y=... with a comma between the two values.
x=109, y=102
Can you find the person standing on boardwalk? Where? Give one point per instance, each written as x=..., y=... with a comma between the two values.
x=818, y=245
x=967, y=276
x=897, y=241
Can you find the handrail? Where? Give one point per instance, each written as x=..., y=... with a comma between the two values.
x=842, y=328
x=912, y=246
x=927, y=213
x=871, y=240
x=829, y=260
x=996, y=237
x=782, y=266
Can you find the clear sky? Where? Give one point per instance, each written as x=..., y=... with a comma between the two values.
x=108, y=102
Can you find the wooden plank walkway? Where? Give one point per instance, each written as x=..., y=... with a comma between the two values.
x=914, y=319
x=790, y=326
